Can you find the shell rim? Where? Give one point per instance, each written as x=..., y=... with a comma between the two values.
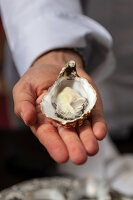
x=73, y=122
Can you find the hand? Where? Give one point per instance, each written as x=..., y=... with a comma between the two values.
x=60, y=142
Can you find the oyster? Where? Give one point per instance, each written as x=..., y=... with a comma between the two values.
x=71, y=98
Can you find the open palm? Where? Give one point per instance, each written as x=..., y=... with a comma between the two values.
x=61, y=143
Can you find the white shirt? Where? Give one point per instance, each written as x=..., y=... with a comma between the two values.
x=34, y=27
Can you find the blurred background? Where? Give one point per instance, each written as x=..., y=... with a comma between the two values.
x=21, y=155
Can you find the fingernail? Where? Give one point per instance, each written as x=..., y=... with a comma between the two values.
x=21, y=115
x=25, y=122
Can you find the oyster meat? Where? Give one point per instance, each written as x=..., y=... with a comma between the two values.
x=71, y=98
x=70, y=104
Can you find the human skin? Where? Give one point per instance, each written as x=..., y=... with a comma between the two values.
x=61, y=143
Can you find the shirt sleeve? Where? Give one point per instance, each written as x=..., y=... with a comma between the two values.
x=34, y=27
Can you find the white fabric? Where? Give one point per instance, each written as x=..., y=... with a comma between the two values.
x=120, y=174
x=95, y=165
x=35, y=27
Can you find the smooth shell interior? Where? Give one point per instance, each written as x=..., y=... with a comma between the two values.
x=79, y=84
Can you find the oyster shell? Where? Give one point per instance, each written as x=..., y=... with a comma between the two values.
x=71, y=98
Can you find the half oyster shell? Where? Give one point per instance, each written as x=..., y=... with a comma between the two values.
x=71, y=98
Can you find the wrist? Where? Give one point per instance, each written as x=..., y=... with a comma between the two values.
x=60, y=58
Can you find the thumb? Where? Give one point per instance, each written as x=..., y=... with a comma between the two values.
x=24, y=102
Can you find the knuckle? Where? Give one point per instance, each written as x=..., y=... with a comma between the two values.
x=48, y=128
x=44, y=129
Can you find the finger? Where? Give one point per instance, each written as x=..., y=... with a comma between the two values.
x=74, y=146
x=27, y=112
x=39, y=99
x=99, y=126
x=24, y=103
x=88, y=139
x=49, y=137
